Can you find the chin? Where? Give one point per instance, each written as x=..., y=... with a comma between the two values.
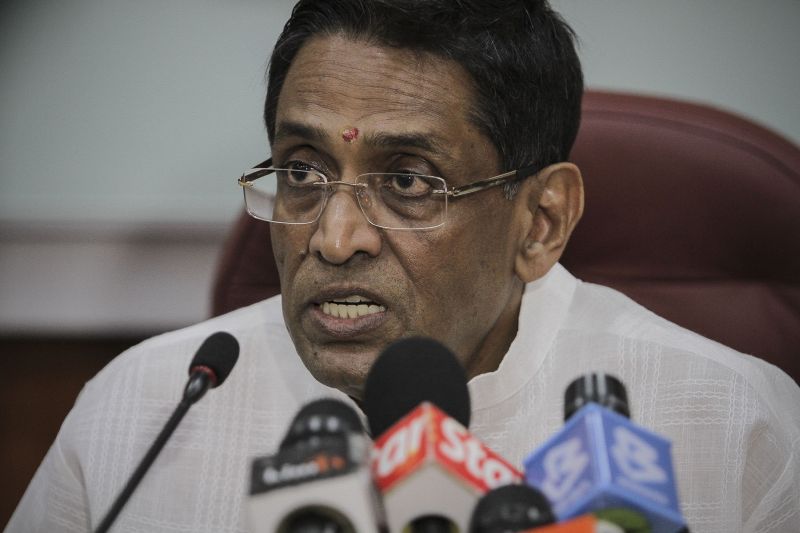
x=349, y=384
x=341, y=371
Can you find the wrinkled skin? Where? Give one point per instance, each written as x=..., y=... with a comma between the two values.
x=460, y=283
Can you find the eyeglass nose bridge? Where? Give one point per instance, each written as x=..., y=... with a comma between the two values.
x=359, y=189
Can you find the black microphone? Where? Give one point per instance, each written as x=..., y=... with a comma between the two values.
x=320, y=418
x=319, y=481
x=511, y=508
x=409, y=372
x=210, y=367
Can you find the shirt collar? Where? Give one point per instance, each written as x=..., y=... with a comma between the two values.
x=543, y=310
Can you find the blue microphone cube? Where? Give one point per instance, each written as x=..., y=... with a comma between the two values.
x=601, y=460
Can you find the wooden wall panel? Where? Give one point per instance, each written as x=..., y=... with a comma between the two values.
x=41, y=380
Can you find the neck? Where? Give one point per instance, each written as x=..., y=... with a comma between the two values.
x=495, y=345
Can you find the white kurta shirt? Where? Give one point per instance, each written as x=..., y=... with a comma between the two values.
x=734, y=420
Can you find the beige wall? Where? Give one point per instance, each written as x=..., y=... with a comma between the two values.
x=123, y=126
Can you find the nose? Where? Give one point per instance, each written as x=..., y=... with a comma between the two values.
x=342, y=230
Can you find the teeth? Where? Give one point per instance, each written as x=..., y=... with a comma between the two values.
x=354, y=299
x=347, y=308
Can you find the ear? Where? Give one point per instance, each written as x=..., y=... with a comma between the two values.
x=550, y=203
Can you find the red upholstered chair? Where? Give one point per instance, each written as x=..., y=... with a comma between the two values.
x=691, y=211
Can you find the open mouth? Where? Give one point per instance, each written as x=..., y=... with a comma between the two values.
x=351, y=307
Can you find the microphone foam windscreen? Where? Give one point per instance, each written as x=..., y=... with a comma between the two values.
x=219, y=352
x=409, y=372
x=511, y=508
x=324, y=416
x=597, y=387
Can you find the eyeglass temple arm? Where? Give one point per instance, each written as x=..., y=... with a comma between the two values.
x=252, y=177
x=518, y=174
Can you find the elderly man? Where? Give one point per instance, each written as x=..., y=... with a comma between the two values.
x=418, y=153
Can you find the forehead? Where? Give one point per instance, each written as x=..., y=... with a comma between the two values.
x=367, y=85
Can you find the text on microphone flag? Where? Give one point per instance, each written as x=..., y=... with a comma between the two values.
x=600, y=459
x=428, y=434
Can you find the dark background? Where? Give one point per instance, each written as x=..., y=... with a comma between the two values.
x=43, y=377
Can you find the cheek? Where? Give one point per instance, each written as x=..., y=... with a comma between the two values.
x=420, y=254
x=443, y=266
x=277, y=236
x=481, y=251
x=289, y=245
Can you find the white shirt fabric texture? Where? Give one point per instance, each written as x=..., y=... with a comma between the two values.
x=734, y=420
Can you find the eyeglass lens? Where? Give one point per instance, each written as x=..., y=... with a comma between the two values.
x=388, y=200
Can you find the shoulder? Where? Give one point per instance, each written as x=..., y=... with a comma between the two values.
x=734, y=419
x=142, y=386
x=601, y=311
x=168, y=355
x=665, y=357
x=121, y=410
x=676, y=376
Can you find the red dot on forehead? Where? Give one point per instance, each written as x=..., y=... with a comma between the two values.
x=349, y=134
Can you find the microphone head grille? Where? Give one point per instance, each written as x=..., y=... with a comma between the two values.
x=409, y=372
x=599, y=388
x=325, y=416
x=511, y=508
x=219, y=352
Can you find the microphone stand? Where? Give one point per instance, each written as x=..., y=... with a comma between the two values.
x=197, y=386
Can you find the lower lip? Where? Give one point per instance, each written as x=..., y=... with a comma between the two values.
x=345, y=328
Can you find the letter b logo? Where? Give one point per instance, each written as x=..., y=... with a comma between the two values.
x=636, y=458
x=563, y=466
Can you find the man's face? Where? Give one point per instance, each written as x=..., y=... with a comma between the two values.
x=455, y=283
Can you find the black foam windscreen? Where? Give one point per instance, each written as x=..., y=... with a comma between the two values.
x=219, y=352
x=599, y=388
x=511, y=508
x=409, y=372
x=324, y=416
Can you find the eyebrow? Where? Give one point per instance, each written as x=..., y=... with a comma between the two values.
x=298, y=129
x=407, y=140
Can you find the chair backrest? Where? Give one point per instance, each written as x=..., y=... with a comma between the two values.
x=691, y=211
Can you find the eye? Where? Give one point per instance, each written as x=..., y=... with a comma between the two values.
x=297, y=173
x=407, y=184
